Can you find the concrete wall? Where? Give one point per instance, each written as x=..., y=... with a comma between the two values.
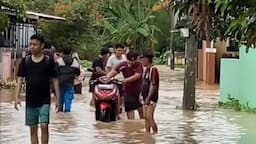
x=238, y=78
x=248, y=76
x=6, y=65
x=229, y=82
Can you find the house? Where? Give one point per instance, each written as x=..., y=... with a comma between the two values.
x=15, y=39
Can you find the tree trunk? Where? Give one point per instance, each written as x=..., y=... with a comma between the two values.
x=172, y=56
x=190, y=74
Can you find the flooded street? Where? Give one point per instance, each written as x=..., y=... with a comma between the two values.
x=208, y=125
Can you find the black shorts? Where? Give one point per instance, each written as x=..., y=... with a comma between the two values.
x=91, y=87
x=154, y=98
x=121, y=90
x=131, y=102
x=78, y=88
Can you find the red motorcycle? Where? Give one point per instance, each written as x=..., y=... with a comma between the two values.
x=106, y=92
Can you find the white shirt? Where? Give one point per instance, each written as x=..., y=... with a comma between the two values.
x=113, y=61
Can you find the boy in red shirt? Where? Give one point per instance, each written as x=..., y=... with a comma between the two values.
x=150, y=87
x=132, y=71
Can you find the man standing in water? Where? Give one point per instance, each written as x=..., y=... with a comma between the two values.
x=38, y=70
x=150, y=87
x=132, y=71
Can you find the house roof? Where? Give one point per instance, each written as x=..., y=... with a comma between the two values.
x=30, y=14
x=35, y=15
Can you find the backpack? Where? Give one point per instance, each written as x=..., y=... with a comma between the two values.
x=66, y=72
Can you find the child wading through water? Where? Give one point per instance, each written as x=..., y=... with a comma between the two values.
x=38, y=70
x=150, y=87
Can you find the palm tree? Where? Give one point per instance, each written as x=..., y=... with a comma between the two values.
x=195, y=15
x=199, y=12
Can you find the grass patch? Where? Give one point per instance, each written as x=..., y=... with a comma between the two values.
x=234, y=104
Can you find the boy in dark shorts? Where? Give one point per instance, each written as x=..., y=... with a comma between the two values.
x=38, y=70
x=132, y=71
x=150, y=87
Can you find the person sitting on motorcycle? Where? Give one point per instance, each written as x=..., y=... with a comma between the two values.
x=132, y=71
x=98, y=66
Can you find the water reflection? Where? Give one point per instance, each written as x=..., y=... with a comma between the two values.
x=188, y=127
x=206, y=126
x=64, y=123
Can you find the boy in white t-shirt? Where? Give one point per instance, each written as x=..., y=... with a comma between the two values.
x=117, y=58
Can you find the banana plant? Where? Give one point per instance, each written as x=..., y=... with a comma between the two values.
x=130, y=21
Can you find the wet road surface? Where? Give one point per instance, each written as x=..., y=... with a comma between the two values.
x=208, y=125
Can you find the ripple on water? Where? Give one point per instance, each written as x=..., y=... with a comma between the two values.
x=175, y=126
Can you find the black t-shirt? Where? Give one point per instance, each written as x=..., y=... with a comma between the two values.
x=37, y=76
x=98, y=62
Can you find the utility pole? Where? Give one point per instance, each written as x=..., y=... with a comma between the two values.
x=189, y=102
x=172, y=54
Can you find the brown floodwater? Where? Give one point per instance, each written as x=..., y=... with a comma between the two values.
x=208, y=125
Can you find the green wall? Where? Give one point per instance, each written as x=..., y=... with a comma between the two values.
x=238, y=78
x=229, y=83
x=248, y=76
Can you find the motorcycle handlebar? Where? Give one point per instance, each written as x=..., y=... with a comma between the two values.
x=107, y=80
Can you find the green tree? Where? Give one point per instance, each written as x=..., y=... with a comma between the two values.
x=195, y=14
x=221, y=18
x=130, y=21
x=4, y=21
x=162, y=20
x=42, y=6
x=242, y=19
x=16, y=6
x=77, y=31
